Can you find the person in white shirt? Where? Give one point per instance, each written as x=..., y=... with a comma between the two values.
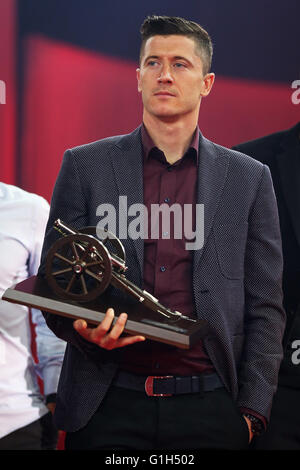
x=25, y=418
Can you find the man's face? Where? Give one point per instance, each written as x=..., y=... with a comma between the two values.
x=171, y=78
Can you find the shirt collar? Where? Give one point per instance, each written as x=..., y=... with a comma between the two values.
x=148, y=143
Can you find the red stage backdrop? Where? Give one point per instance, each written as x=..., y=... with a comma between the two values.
x=73, y=96
x=7, y=91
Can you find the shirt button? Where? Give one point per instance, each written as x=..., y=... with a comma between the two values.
x=163, y=268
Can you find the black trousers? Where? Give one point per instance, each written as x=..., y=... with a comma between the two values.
x=39, y=435
x=128, y=419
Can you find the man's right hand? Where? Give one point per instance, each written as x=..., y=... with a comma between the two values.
x=105, y=336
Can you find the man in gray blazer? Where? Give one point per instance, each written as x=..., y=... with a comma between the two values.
x=222, y=388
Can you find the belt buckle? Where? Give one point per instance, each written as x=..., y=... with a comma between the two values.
x=149, y=385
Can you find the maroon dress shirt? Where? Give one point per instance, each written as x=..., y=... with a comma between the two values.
x=167, y=262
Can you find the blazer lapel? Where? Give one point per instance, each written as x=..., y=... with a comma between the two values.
x=127, y=161
x=288, y=161
x=212, y=172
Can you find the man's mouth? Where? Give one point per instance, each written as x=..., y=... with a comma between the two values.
x=163, y=93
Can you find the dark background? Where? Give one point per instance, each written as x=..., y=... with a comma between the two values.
x=69, y=68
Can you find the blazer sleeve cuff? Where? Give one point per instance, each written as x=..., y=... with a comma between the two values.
x=257, y=415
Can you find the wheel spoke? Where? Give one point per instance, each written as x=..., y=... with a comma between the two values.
x=66, y=260
x=62, y=271
x=71, y=282
x=74, y=249
x=94, y=263
x=95, y=276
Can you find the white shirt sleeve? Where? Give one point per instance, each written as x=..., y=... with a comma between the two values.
x=50, y=349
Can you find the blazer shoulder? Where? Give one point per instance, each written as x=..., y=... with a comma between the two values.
x=239, y=160
x=104, y=144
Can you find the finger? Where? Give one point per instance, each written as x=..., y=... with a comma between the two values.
x=81, y=327
x=119, y=326
x=108, y=319
x=121, y=342
x=113, y=340
x=109, y=343
x=109, y=340
x=102, y=329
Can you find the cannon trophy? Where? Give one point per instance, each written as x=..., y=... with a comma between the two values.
x=80, y=267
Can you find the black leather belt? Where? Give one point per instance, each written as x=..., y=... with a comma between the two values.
x=167, y=385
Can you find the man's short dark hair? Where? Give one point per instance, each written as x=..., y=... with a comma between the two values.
x=167, y=25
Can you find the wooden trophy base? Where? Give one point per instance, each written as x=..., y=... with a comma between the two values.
x=35, y=292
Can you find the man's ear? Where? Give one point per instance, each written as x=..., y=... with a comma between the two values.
x=138, y=76
x=208, y=82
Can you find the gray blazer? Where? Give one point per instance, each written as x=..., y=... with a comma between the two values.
x=236, y=274
x=281, y=152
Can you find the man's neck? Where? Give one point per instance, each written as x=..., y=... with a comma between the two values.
x=173, y=138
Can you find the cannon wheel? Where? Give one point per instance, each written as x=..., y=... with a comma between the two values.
x=78, y=267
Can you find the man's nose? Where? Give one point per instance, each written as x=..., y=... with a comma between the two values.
x=165, y=75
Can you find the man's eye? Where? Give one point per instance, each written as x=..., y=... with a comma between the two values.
x=179, y=65
x=152, y=62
